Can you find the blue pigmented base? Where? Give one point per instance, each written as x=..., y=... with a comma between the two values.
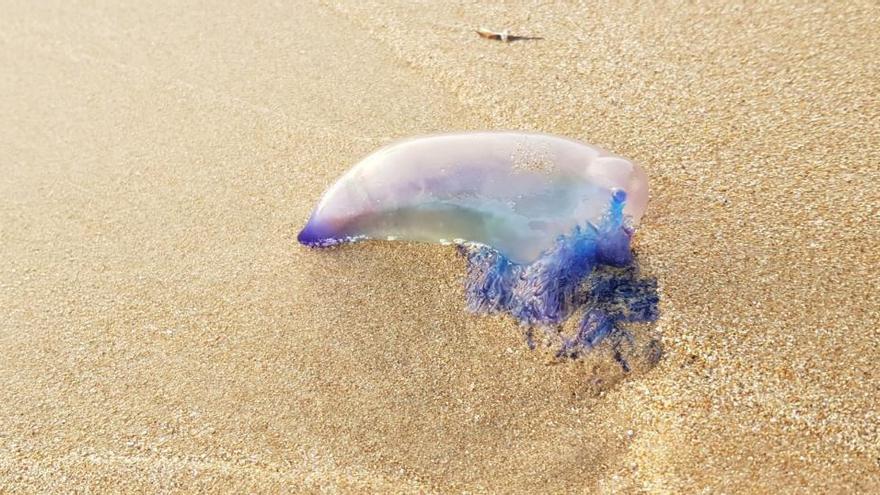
x=592, y=269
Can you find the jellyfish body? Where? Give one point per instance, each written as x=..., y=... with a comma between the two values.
x=515, y=192
x=533, y=214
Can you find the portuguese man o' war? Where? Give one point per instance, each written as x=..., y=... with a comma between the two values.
x=543, y=221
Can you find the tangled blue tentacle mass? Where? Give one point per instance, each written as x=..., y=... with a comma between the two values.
x=591, y=269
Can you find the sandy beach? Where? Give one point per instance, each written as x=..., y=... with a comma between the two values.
x=161, y=331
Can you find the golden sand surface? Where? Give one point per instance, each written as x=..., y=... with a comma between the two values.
x=161, y=330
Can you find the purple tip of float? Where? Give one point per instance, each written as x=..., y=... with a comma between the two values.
x=308, y=235
x=316, y=235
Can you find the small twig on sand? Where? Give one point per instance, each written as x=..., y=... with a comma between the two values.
x=503, y=36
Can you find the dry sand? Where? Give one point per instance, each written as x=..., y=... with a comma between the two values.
x=161, y=330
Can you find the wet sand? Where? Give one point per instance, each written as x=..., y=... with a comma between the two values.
x=161, y=330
